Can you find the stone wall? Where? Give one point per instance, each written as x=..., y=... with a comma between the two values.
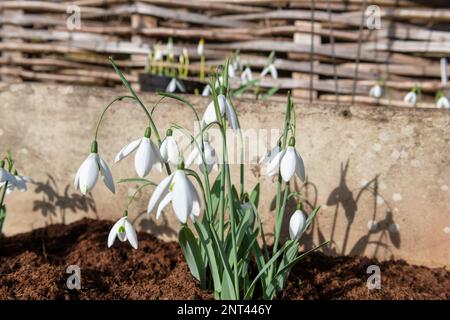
x=381, y=176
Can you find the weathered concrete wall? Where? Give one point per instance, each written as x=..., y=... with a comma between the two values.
x=364, y=164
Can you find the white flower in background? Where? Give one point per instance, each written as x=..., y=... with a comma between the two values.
x=124, y=230
x=376, y=91
x=201, y=47
x=210, y=157
x=289, y=162
x=206, y=91
x=88, y=173
x=175, y=84
x=224, y=108
x=270, y=68
x=180, y=191
x=246, y=75
x=169, y=149
x=147, y=154
x=443, y=102
x=158, y=54
x=411, y=98
x=21, y=184
x=268, y=157
x=297, y=225
x=231, y=70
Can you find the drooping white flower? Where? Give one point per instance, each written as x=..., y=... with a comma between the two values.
x=178, y=190
x=443, y=102
x=124, y=230
x=267, y=158
x=158, y=53
x=88, y=173
x=174, y=84
x=411, y=98
x=224, y=108
x=147, y=155
x=210, y=157
x=201, y=47
x=232, y=70
x=297, y=225
x=272, y=69
x=376, y=91
x=21, y=184
x=206, y=91
x=246, y=75
x=169, y=149
x=289, y=162
x=6, y=177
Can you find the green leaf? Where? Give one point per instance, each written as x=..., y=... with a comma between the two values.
x=215, y=194
x=192, y=254
x=270, y=93
x=227, y=287
x=214, y=265
x=254, y=196
x=264, y=269
x=311, y=217
x=239, y=91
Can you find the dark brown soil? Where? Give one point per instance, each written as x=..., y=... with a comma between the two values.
x=33, y=266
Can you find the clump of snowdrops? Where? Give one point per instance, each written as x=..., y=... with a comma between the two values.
x=10, y=180
x=221, y=234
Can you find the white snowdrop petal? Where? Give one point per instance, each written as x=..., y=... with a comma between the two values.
x=273, y=166
x=131, y=234
x=288, y=164
x=181, y=197
x=163, y=150
x=164, y=202
x=129, y=148
x=159, y=192
x=300, y=167
x=171, y=86
x=231, y=116
x=297, y=225
x=273, y=71
x=206, y=90
x=192, y=157
x=89, y=171
x=195, y=212
x=107, y=176
x=173, y=152
x=114, y=231
x=143, y=158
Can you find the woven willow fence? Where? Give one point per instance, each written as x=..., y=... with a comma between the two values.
x=324, y=49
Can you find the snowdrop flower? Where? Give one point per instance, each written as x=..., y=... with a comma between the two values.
x=268, y=157
x=224, y=108
x=174, y=84
x=443, y=102
x=5, y=176
x=206, y=91
x=201, y=47
x=246, y=75
x=411, y=98
x=21, y=183
x=88, y=173
x=147, y=154
x=210, y=157
x=169, y=149
x=297, y=225
x=180, y=191
x=124, y=230
x=232, y=70
x=376, y=91
x=289, y=163
x=273, y=71
x=158, y=55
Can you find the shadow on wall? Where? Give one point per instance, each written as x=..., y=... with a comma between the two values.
x=55, y=202
x=382, y=231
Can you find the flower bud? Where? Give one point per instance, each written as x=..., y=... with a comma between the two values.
x=94, y=147
x=169, y=132
x=292, y=142
x=148, y=132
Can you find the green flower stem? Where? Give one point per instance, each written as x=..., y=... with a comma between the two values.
x=104, y=111
x=202, y=68
x=144, y=108
x=136, y=192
